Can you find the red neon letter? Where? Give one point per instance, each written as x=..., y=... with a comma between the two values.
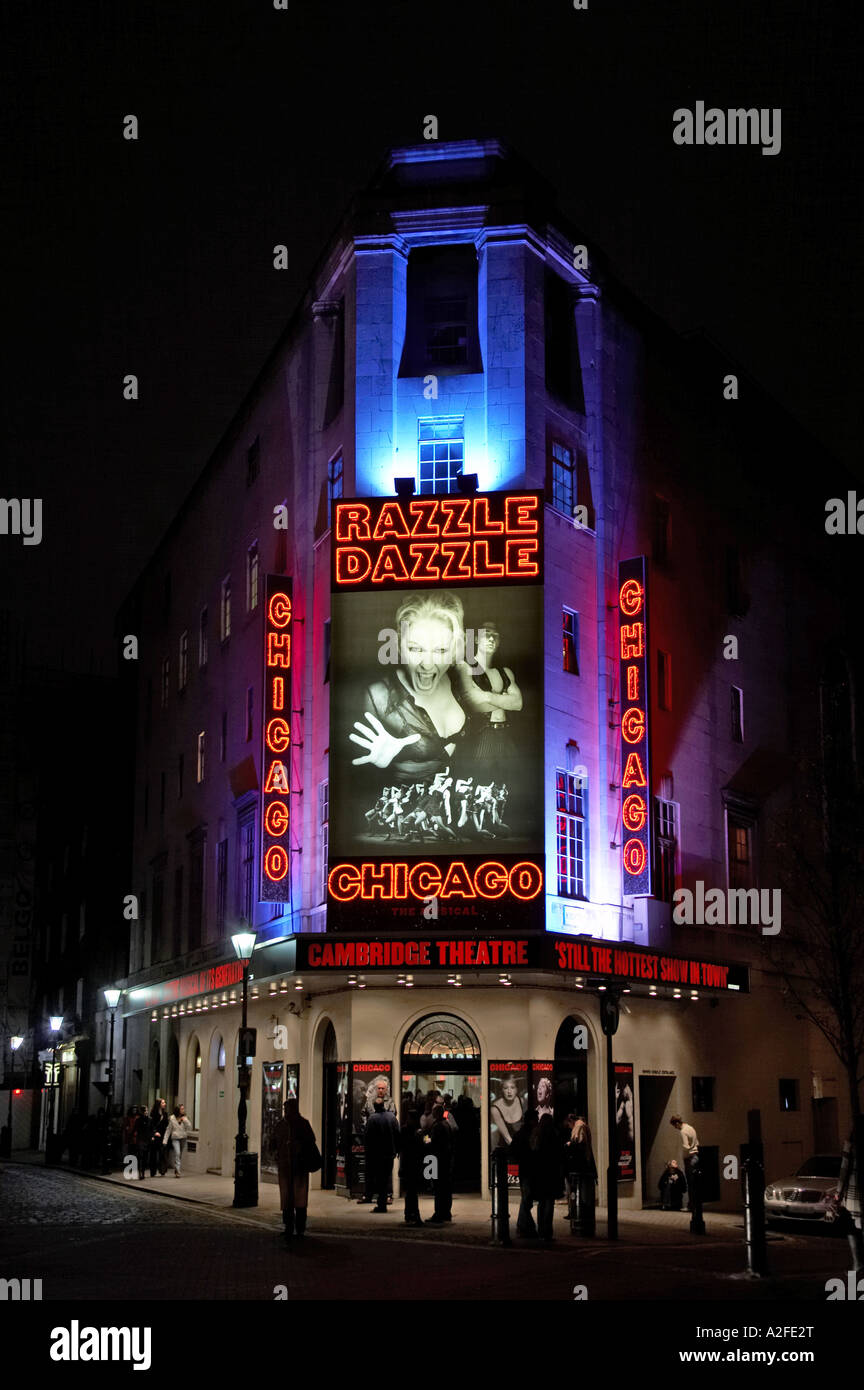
x=634, y=774
x=526, y=881
x=491, y=879
x=634, y=856
x=352, y=521
x=517, y=515
x=632, y=682
x=632, y=640
x=279, y=610
x=344, y=882
x=633, y=726
x=352, y=564
x=276, y=818
x=630, y=597
x=279, y=649
x=277, y=778
x=277, y=735
x=276, y=863
x=634, y=813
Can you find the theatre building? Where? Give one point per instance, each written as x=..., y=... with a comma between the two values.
x=486, y=628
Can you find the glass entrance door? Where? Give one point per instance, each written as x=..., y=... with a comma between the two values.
x=461, y=1089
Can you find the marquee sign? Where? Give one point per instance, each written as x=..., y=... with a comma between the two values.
x=212, y=978
x=275, y=829
x=436, y=712
x=635, y=764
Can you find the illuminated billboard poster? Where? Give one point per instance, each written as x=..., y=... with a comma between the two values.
x=635, y=764
x=436, y=712
x=275, y=829
x=625, y=1121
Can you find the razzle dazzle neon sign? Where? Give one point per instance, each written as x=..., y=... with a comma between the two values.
x=275, y=851
x=635, y=762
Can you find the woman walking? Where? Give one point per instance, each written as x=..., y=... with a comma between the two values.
x=297, y=1156
x=176, y=1134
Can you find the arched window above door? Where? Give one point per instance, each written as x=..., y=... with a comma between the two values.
x=441, y=1035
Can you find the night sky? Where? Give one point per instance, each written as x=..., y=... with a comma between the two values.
x=256, y=125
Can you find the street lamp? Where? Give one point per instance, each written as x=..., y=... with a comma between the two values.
x=245, y=1180
x=14, y=1043
x=56, y=1021
x=112, y=999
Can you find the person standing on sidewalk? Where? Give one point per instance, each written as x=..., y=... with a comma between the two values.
x=382, y=1146
x=440, y=1141
x=143, y=1134
x=690, y=1144
x=546, y=1166
x=176, y=1134
x=159, y=1122
x=296, y=1156
x=411, y=1165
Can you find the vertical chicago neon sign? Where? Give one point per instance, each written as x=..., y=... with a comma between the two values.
x=275, y=836
x=635, y=761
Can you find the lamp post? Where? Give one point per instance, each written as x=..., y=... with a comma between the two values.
x=14, y=1043
x=244, y=1179
x=112, y=999
x=56, y=1022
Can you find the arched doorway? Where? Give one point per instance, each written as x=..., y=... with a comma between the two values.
x=441, y=1053
x=571, y=1070
x=335, y=1122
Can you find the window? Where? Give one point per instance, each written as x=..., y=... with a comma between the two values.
x=324, y=822
x=247, y=865
x=563, y=479
x=334, y=484
x=183, y=661
x=166, y=678
x=660, y=532
x=250, y=712
x=570, y=640
x=199, y=770
x=196, y=1090
x=253, y=461
x=665, y=848
x=326, y=650
x=221, y=883
x=740, y=834
x=788, y=1093
x=202, y=640
x=737, y=715
x=563, y=369
x=441, y=311
x=179, y=776
x=442, y=452
x=223, y=738
x=252, y=573
x=703, y=1092
x=571, y=794
x=225, y=610
x=664, y=680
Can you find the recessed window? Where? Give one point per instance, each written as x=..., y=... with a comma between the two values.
x=703, y=1093
x=665, y=847
x=253, y=461
x=441, y=311
x=739, y=848
x=563, y=478
x=324, y=823
x=334, y=484
x=441, y=452
x=252, y=576
x=183, y=661
x=737, y=715
x=563, y=368
x=570, y=640
x=664, y=680
x=571, y=801
x=225, y=610
x=788, y=1093
x=246, y=837
x=200, y=759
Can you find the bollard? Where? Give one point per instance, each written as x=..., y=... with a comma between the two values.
x=500, y=1199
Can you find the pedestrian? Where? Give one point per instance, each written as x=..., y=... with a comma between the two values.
x=143, y=1133
x=672, y=1185
x=74, y=1131
x=520, y=1153
x=411, y=1164
x=129, y=1150
x=159, y=1123
x=382, y=1146
x=176, y=1134
x=848, y=1192
x=580, y=1164
x=440, y=1140
x=378, y=1091
x=296, y=1156
x=546, y=1166
x=690, y=1144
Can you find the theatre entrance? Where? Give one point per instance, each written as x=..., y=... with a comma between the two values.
x=441, y=1053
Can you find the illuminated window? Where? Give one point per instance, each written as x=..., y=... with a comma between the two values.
x=199, y=771
x=196, y=1090
x=252, y=573
x=221, y=883
x=660, y=532
x=225, y=610
x=740, y=839
x=442, y=452
x=334, y=483
x=253, y=461
x=665, y=848
x=166, y=678
x=571, y=798
x=441, y=311
x=202, y=640
x=324, y=822
x=570, y=640
x=737, y=715
x=183, y=661
x=664, y=680
x=250, y=712
x=563, y=479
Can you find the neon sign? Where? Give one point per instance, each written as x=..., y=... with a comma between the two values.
x=635, y=763
x=275, y=828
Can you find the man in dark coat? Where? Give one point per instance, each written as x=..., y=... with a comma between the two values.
x=142, y=1132
x=411, y=1166
x=158, y=1152
x=382, y=1146
x=441, y=1144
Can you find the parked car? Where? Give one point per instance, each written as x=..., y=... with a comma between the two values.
x=803, y=1197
